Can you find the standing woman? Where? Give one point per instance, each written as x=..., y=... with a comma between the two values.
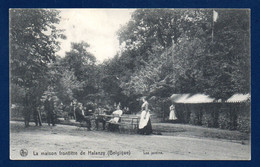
x=145, y=126
x=172, y=116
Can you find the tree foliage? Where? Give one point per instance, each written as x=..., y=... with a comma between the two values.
x=33, y=43
x=33, y=38
x=79, y=73
x=163, y=51
x=202, y=56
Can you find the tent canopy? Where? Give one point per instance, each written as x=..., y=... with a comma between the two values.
x=191, y=98
x=239, y=98
x=202, y=98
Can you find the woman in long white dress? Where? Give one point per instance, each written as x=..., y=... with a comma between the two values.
x=113, y=123
x=172, y=116
x=145, y=126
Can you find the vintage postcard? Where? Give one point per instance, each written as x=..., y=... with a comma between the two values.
x=130, y=84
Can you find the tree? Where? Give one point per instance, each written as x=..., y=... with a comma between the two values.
x=148, y=35
x=151, y=31
x=33, y=43
x=80, y=74
x=228, y=60
x=196, y=62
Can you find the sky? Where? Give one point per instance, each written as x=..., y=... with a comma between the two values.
x=97, y=27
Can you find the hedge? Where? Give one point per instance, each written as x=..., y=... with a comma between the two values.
x=231, y=116
x=210, y=117
x=243, y=118
x=182, y=112
x=195, y=115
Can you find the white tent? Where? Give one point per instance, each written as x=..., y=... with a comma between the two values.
x=202, y=98
x=191, y=98
x=239, y=98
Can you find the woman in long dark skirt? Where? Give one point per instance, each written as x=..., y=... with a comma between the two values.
x=145, y=126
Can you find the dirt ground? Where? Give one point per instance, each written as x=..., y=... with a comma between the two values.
x=69, y=142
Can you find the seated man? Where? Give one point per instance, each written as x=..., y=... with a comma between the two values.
x=80, y=117
x=99, y=118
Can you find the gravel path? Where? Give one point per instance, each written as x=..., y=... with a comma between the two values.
x=69, y=142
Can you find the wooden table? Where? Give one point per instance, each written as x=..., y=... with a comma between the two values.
x=104, y=115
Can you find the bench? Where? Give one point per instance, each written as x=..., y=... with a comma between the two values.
x=126, y=123
x=114, y=125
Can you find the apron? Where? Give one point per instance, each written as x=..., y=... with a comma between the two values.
x=143, y=121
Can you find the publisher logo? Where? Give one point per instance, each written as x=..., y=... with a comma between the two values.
x=23, y=152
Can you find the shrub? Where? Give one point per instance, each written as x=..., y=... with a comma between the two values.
x=223, y=120
x=207, y=119
x=195, y=114
x=179, y=112
x=182, y=112
x=210, y=116
x=186, y=116
x=232, y=116
x=243, y=118
x=193, y=118
x=243, y=123
x=159, y=107
x=227, y=118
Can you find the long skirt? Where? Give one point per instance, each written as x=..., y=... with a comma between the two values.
x=146, y=130
x=172, y=115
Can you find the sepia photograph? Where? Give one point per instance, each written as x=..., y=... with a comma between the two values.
x=130, y=84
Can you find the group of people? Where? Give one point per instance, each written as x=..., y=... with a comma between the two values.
x=144, y=126
x=81, y=116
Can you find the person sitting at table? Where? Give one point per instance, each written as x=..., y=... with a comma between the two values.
x=145, y=126
x=113, y=122
x=80, y=117
x=99, y=118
